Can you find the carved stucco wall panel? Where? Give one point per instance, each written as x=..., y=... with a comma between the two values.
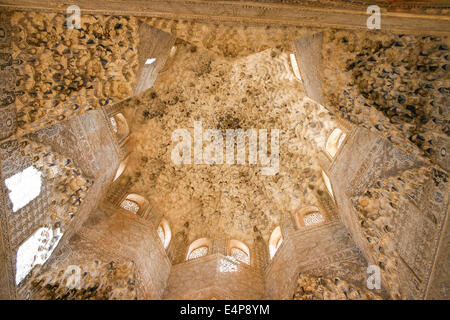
x=419, y=207
x=51, y=73
x=324, y=288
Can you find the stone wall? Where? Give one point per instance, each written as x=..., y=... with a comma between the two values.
x=214, y=276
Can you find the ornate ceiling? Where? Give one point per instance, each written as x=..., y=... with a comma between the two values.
x=259, y=91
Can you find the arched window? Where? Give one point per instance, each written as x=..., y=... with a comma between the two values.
x=295, y=66
x=308, y=216
x=130, y=205
x=135, y=203
x=120, y=126
x=164, y=233
x=334, y=141
x=275, y=241
x=121, y=168
x=238, y=251
x=198, y=248
x=35, y=251
x=24, y=187
x=327, y=182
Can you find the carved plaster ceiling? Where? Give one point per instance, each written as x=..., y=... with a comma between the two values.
x=259, y=91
